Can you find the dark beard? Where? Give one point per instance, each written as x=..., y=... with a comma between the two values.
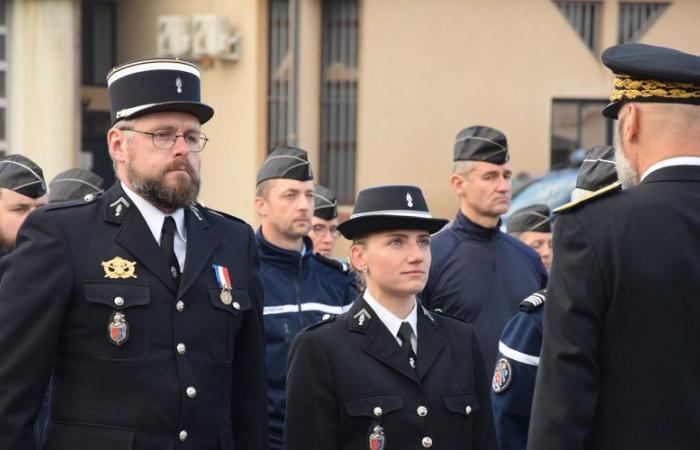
x=161, y=196
x=6, y=246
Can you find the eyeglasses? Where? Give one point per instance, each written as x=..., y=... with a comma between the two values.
x=321, y=230
x=165, y=140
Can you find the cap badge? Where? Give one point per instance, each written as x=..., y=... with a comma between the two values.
x=117, y=328
x=502, y=377
x=118, y=267
x=409, y=200
x=178, y=85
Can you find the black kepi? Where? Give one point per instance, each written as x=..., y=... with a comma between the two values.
x=156, y=85
x=393, y=207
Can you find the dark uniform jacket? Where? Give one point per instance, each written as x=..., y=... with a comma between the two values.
x=299, y=290
x=190, y=375
x=619, y=367
x=516, y=370
x=348, y=375
x=480, y=275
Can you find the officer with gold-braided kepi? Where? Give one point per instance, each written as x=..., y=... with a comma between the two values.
x=146, y=306
x=519, y=346
x=622, y=299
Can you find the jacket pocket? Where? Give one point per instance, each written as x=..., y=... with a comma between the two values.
x=62, y=435
x=125, y=337
x=464, y=404
x=226, y=320
x=375, y=405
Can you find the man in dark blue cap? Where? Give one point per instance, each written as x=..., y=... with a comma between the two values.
x=514, y=376
x=146, y=306
x=324, y=223
x=479, y=273
x=623, y=295
x=533, y=226
x=74, y=184
x=301, y=286
x=22, y=190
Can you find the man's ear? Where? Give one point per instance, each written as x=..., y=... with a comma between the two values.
x=261, y=207
x=457, y=183
x=630, y=129
x=116, y=140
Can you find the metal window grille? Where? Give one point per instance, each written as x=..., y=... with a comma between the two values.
x=281, y=98
x=98, y=40
x=635, y=19
x=584, y=17
x=339, y=57
x=3, y=77
x=577, y=124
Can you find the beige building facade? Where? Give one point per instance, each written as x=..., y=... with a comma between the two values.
x=375, y=90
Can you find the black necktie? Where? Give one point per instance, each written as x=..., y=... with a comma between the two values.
x=167, y=245
x=404, y=334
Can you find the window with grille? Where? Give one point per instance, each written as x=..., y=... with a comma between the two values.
x=584, y=18
x=339, y=97
x=577, y=124
x=3, y=77
x=636, y=18
x=281, y=100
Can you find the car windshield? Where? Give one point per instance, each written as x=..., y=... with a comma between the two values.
x=553, y=190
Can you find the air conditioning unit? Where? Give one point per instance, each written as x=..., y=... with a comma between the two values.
x=173, y=36
x=212, y=37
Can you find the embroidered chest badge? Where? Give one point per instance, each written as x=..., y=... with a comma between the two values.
x=502, y=377
x=118, y=267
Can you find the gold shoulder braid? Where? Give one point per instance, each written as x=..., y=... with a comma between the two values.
x=628, y=88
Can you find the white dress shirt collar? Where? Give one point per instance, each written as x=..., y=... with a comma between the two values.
x=677, y=161
x=154, y=218
x=392, y=322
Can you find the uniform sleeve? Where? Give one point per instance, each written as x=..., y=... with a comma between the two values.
x=249, y=398
x=311, y=422
x=484, y=434
x=511, y=392
x=35, y=289
x=567, y=388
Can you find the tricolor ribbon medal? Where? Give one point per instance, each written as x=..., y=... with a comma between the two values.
x=223, y=278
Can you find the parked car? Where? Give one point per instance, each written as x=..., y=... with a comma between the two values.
x=553, y=189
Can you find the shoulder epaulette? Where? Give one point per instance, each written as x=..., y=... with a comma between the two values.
x=607, y=190
x=327, y=318
x=195, y=209
x=333, y=263
x=89, y=198
x=533, y=301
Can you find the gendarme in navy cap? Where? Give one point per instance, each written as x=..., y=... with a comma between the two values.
x=481, y=143
x=20, y=174
x=155, y=85
x=647, y=73
x=286, y=162
x=531, y=218
x=325, y=204
x=390, y=208
x=596, y=176
x=74, y=184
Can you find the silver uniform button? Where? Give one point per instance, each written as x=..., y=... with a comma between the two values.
x=422, y=411
x=191, y=392
x=181, y=349
x=427, y=442
x=119, y=301
x=377, y=411
x=183, y=436
x=89, y=197
x=180, y=305
x=236, y=305
x=326, y=317
x=468, y=410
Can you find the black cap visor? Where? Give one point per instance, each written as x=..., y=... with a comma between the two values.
x=362, y=225
x=201, y=111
